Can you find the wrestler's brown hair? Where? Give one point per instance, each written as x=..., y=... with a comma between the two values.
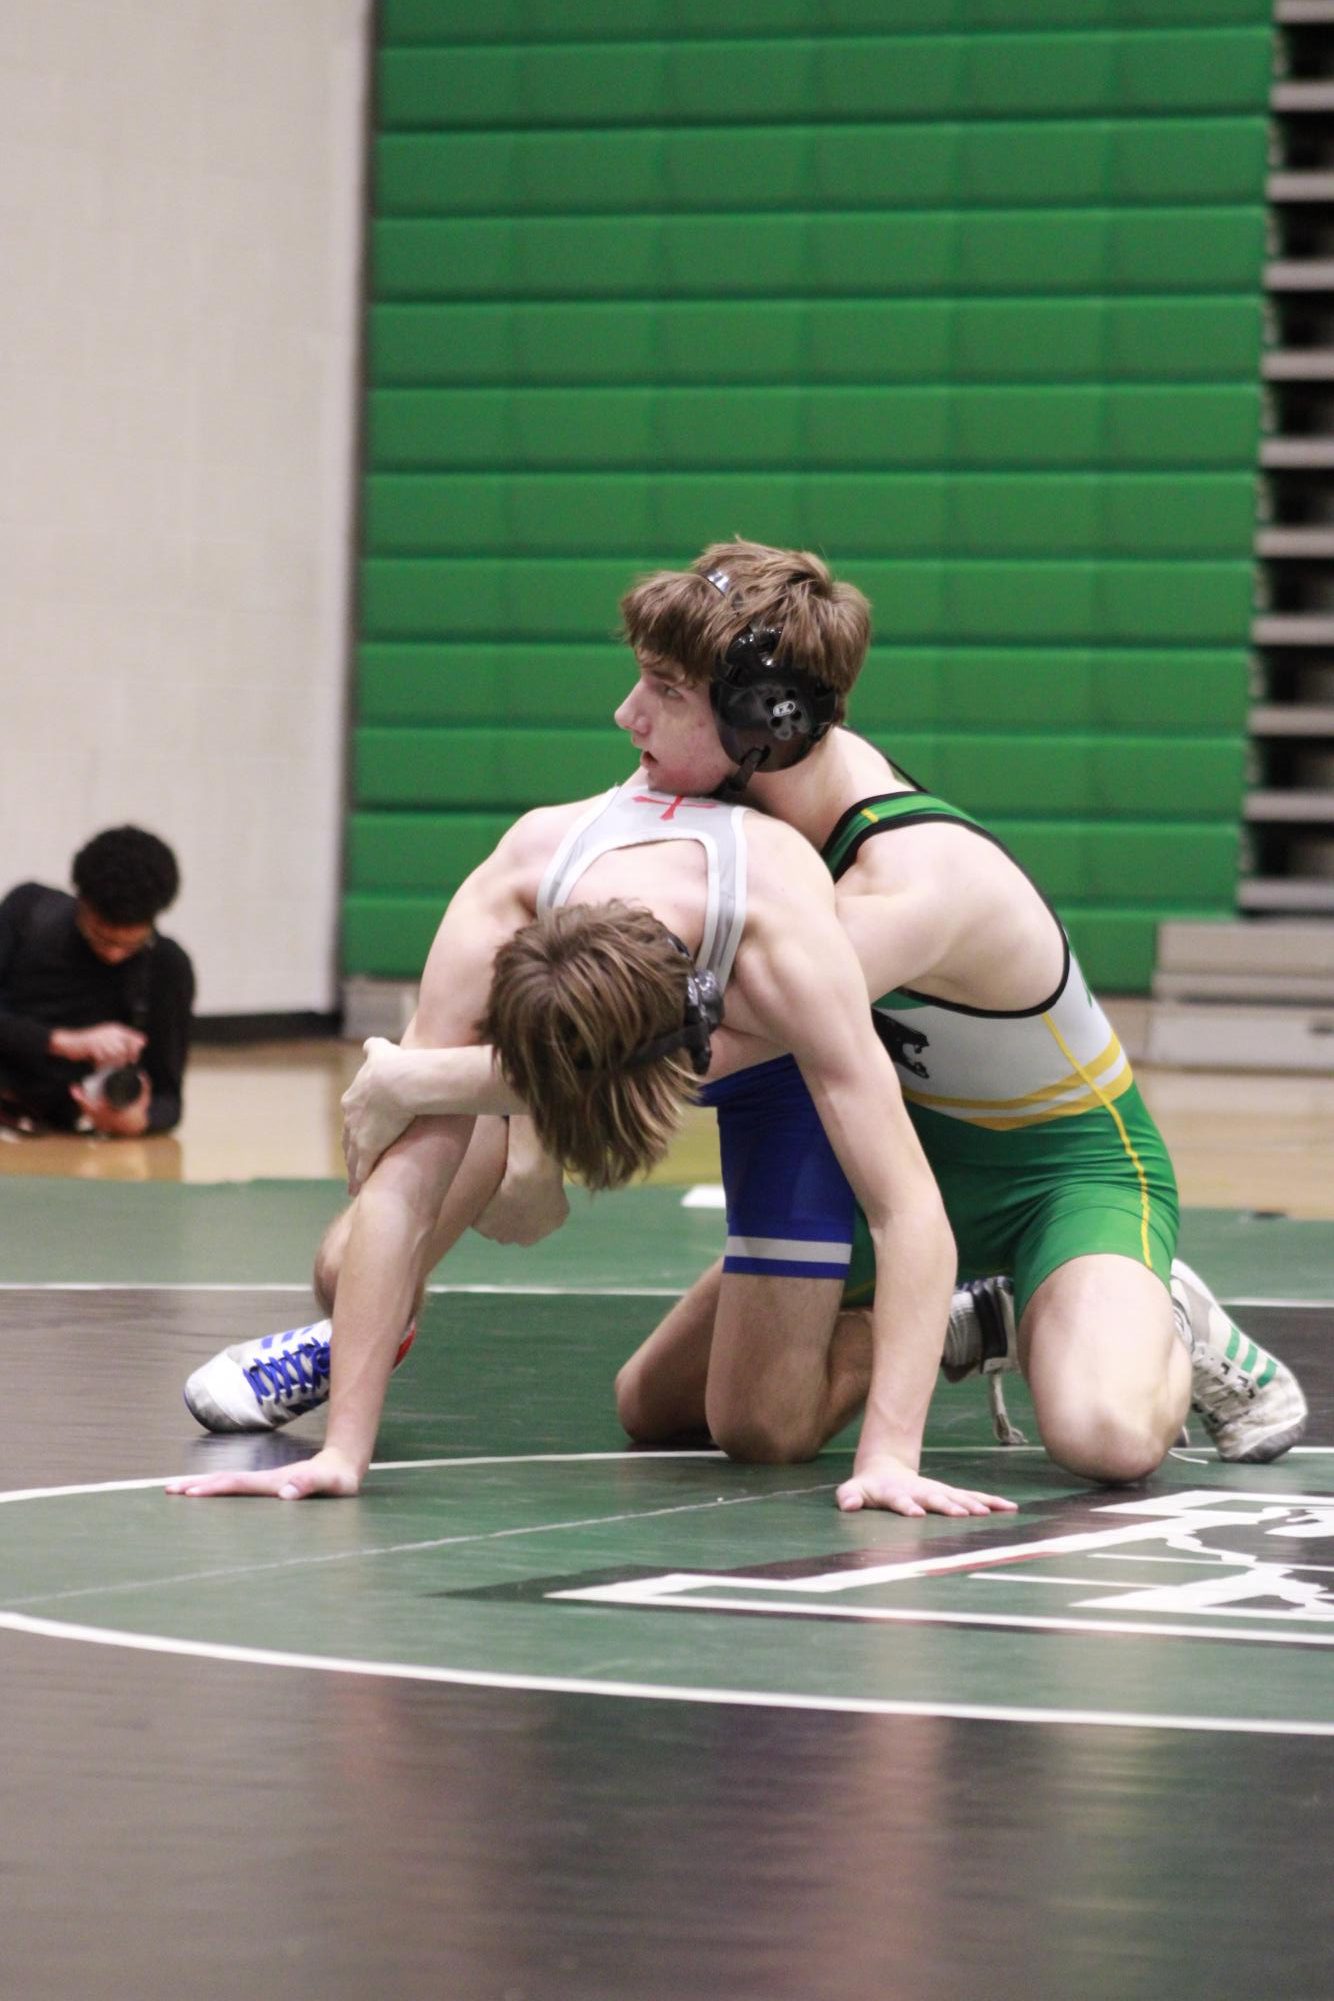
x=678, y=618
x=573, y=997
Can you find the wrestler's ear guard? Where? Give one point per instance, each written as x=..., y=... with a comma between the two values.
x=701, y=1014
x=769, y=714
x=767, y=706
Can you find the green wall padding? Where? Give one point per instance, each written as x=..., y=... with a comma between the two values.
x=973, y=305
x=998, y=165
x=618, y=343
x=797, y=431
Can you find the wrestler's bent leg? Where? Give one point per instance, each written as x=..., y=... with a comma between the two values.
x=1109, y=1375
x=660, y=1390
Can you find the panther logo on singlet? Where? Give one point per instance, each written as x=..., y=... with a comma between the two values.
x=902, y=1043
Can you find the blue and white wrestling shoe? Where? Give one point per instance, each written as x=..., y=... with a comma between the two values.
x=263, y=1384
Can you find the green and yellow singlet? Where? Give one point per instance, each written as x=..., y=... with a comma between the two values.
x=1031, y=1119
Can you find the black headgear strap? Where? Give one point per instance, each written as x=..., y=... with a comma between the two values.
x=703, y=1013
x=769, y=714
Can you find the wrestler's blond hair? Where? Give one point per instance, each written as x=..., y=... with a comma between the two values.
x=678, y=618
x=573, y=997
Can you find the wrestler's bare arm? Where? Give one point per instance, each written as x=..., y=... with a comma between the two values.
x=438, y=1068
x=400, y=1203
x=531, y=1201
x=941, y=906
x=801, y=982
x=398, y=1206
x=398, y=1083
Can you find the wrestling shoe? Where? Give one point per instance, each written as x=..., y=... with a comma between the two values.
x=981, y=1339
x=262, y=1384
x=1248, y=1401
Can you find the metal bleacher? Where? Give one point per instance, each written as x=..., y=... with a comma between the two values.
x=1260, y=991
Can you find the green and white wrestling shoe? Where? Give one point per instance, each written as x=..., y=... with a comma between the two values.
x=1248, y=1401
x=262, y=1384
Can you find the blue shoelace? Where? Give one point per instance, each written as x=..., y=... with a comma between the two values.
x=300, y=1371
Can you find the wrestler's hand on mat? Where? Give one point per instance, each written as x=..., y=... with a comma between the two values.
x=889, y=1483
x=373, y=1115
x=327, y=1473
x=531, y=1201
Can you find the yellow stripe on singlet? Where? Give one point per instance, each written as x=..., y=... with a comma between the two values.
x=1145, y=1204
x=1069, y=1108
x=983, y=1111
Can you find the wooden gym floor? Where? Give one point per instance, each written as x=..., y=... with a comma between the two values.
x=1239, y=1139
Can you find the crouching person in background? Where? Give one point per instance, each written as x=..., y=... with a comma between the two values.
x=95, y=1005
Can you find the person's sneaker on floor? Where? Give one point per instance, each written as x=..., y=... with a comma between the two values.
x=981, y=1338
x=261, y=1384
x=1248, y=1401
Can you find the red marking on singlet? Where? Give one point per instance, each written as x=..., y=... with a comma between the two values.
x=681, y=799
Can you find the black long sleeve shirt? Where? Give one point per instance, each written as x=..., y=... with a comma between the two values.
x=50, y=977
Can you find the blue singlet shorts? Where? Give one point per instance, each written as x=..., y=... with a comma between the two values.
x=790, y=1211
x=1020, y=1202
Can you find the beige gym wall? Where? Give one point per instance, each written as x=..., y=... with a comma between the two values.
x=180, y=232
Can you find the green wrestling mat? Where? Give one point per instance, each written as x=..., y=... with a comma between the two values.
x=258, y=1233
